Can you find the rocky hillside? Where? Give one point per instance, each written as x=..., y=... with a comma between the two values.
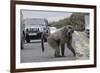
x=81, y=43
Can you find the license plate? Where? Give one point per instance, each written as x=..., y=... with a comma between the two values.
x=32, y=33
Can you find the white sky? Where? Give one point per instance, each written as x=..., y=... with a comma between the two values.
x=49, y=15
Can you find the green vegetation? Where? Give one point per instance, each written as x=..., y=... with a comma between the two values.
x=76, y=20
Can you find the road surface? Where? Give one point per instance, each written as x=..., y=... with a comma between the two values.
x=32, y=52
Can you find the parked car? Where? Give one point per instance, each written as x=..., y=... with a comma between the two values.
x=22, y=34
x=87, y=30
x=34, y=28
x=53, y=29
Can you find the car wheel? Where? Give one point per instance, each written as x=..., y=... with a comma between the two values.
x=28, y=41
x=22, y=45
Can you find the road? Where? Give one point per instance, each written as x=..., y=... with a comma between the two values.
x=32, y=52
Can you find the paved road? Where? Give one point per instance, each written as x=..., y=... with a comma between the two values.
x=32, y=52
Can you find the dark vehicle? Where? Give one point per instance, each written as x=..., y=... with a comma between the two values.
x=22, y=34
x=87, y=30
x=87, y=25
x=34, y=28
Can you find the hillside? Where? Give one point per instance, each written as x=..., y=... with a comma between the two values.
x=76, y=20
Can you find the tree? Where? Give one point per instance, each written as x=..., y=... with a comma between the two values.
x=60, y=23
x=77, y=21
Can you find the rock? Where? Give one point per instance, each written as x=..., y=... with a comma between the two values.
x=81, y=44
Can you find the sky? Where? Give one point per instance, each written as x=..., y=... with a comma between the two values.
x=49, y=15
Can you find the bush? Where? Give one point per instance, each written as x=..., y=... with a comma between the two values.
x=76, y=20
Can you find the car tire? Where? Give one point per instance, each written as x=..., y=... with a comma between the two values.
x=28, y=41
x=22, y=45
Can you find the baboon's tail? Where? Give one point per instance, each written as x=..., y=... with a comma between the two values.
x=42, y=42
x=44, y=39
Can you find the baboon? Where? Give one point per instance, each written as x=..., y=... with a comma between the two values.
x=58, y=39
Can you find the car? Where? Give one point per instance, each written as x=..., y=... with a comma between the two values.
x=22, y=34
x=53, y=29
x=87, y=31
x=34, y=27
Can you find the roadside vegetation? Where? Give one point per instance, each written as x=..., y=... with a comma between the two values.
x=76, y=20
